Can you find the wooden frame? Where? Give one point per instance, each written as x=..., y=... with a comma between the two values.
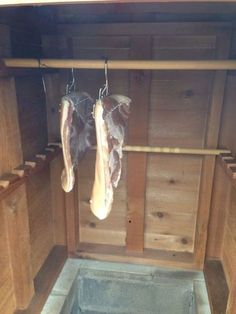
x=55, y=2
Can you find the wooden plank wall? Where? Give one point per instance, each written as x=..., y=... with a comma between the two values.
x=179, y=103
x=29, y=210
x=16, y=288
x=222, y=236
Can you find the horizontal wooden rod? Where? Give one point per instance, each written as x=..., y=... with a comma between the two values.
x=123, y=64
x=167, y=150
x=174, y=150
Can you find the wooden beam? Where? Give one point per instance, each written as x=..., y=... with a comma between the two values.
x=211, y=140
x=136, y=64
x=16, y=213
x=216, y=285
x=119, y=254
x=45, y=279
x=72, y=218
x=55, y=2
x=138, y=135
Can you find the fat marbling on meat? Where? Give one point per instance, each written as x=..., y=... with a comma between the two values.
x=111, y=115
x=77, y=128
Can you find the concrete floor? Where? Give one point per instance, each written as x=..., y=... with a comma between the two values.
x=93, y=287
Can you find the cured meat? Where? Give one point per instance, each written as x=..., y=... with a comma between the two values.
x=77, y=130
x=111, y=114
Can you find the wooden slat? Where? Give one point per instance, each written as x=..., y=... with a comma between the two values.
x=7, y=299
x=137, y=135
x=32, y=114
x=10, y=141
x=144, y=29
x=45, y=279
x=40, y=217
x=227, y=136
x=58, y=201
x=46, y=2
x=16, y=212
x=53, y=98
x=219, y=209
x=211, y=140
x=72, y=218
x=148, y=257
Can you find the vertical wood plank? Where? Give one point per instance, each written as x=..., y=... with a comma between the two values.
x=16, y=213
x=219, y=209
x=72, y=218
x=58, y=202
x=211, y=141
x=141, y=47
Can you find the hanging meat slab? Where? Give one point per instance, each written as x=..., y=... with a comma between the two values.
x=111, y=115
x=77, y=132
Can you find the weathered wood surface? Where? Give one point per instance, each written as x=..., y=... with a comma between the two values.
x=211, y=140
x=217, y=286
x=10, y=140
x=178, y=108
x=32, y=114
x=17, y=221
x=40, y=218
x=45, y=279
x=139, y=92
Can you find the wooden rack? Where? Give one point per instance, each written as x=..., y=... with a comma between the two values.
x=122, y=64
x=10, y=181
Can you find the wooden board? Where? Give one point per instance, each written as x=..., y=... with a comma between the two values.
x=45, y=279
x=227, y=136
x=16, y=213
x=219, y=209
x=10, y=141
x=46, y=2
x=40, y=218
x=218, y=291
x=141, y=48
x=211, y=140
x=58, y=201
x=32, y=115
x=7, y=299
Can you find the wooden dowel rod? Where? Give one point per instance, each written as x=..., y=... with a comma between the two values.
x=174, y=150
x=123, y=64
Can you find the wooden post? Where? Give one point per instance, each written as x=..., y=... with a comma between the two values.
x=17, y=220
x=138, y=135
x=72, y=218
x=208, y=166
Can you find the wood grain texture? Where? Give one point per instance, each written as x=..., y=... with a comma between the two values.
x=16, y=213
x=72, y=218
x=58, y=201
x=40, y=218
x=10, y=140
x=45, y=279
x=32, y=115
x=148, y=257
x=7, y=298
x=211, y=140
x=216, y=285
x=141, y=48
x=219, y=208
x=53, y=98
x=227, y=135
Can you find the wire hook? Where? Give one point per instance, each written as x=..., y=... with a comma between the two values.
x=104, y=90
x=71, y=85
